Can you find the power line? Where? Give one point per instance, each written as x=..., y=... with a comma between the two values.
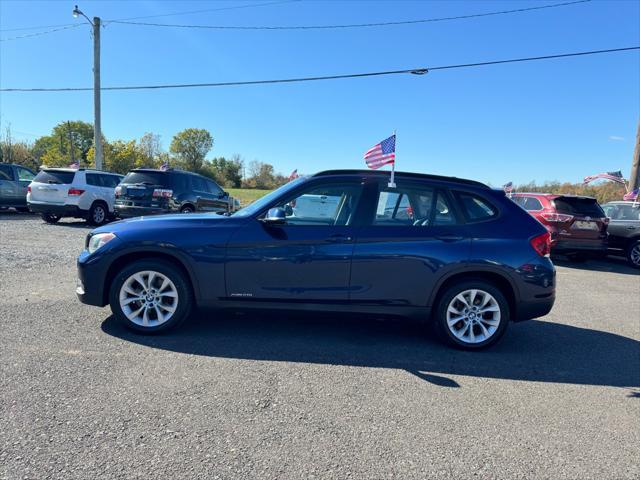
x=353, y=25
x=415, y=71
x=37, y=34
x=235, y=7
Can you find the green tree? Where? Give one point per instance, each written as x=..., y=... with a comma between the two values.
x=262, y=175
x=68, y=139
x=150, y=150
x=227, y=172
x=191, y=146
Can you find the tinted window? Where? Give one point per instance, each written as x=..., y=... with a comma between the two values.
x=214, y=188
x=25, y=175
x=476, y=208
x=181, y=183
x=531, y=203
x=578, y=206
x=322, y=205
x=112, y=181
x=5, y=172
x=405, y=205
x=94, y=179
x=150, y=178
x=199, y=184
x=625, y=212
x=54, y=176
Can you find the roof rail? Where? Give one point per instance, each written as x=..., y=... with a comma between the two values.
x=423, y=176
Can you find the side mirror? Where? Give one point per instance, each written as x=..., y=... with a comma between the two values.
x=224, y=194
x=275, y=216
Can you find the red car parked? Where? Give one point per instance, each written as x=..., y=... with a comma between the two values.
x=578, y=225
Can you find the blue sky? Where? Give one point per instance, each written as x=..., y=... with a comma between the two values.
x=552, y=120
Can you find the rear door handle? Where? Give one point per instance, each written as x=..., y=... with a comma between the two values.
x=631, y=227
x=449, y=238
x=339, y=238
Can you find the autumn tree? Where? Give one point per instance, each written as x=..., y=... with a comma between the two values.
x=191, y=146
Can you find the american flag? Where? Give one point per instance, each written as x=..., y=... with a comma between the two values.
x=382, y=153
x=613, y=176
x=632, y=195
x=508, y=187
x=294, y=175
x=165, y=165
x=74, y=165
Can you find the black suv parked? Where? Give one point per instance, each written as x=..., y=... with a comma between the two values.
x=14, y=180
x=624, y=229
x=150, y=192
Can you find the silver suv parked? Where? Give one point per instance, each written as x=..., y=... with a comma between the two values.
x=14, y=180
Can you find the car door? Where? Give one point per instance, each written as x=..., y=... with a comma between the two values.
x=25, y=176
x=308, y=257
x=219, y=202
x=413, y=237
x=624, y=223
x=204, y=202
x=8, y=186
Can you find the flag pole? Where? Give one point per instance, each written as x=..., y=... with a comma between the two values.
x=392, y=183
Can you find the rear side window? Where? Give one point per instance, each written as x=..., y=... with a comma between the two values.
x=54, y=176
x=404, y=206
x=578, y=206
x=25, y=175
x=624, y=212
x=94, y=179
x=6, y=173
x=147, y=178
x=475, y=208
x=531, y=204
x=199, y=184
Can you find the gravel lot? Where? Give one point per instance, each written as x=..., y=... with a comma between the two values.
x=255, y=396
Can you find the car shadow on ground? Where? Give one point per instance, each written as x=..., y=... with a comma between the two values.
x=536, y=350
x=610, y=264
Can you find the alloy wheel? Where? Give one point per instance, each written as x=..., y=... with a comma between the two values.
x=98, y=214
x=148, y=298
x=473, y=316
x=634, y=255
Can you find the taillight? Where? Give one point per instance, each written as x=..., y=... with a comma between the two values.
x=605, y=220
x=542, y=244
x=118, y=191
x=162, y=193
x=75, y=192
x=29, y=189
x=556, y=217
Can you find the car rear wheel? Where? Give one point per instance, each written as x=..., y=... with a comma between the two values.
x=633, y=254
x=187, y=209
x=472, y=315
x=50, y=218
x=97, y=214
x=151, y=296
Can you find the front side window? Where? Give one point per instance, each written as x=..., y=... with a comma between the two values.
x=214, y=189
x=476, y=209
x=25, y=175
x=332, y=204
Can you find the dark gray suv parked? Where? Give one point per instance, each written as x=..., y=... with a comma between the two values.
x=14, y=180
x=624, y=229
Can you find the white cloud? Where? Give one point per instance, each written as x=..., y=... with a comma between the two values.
x=616, y=138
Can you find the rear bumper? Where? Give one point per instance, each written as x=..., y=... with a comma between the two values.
x=571, y=245
x=128, y=212
x=534, y=309
x=60, y=210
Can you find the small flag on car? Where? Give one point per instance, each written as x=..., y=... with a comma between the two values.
x=74, y=165
x=294, y=175
x=632, y=195
x=383, y=153
x=508, y=187
x=165, y=165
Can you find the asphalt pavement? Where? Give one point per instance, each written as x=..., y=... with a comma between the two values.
x=308, y=396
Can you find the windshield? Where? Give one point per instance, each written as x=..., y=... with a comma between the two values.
x=262, y=202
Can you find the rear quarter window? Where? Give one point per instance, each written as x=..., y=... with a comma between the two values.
x=53, y=176
x=476, y=208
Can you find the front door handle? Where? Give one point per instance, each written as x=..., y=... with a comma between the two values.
x=631, y=227
x=449, y=238
x=339, y=238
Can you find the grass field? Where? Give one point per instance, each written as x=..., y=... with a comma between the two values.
x=246, y=195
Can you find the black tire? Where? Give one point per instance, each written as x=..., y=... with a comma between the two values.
x=184, y=299
x=440, y=314
x=98, y=214
x=187, y=209
x=577, y=257
x=50, y=218
x=22, y=209
x=633, y=254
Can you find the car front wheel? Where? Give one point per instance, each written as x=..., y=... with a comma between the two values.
x=633, y=254
x=50, y=218
x=472, y=315
x=151, y=296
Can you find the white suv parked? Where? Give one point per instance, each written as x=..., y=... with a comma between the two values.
x=67, y=192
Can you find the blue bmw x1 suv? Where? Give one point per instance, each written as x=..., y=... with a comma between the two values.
x=440, y=249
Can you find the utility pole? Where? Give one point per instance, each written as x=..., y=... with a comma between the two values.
x=73, y=159
x=634, y=181
x=97, y=128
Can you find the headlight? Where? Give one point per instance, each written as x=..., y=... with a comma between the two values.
x=99, y=240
